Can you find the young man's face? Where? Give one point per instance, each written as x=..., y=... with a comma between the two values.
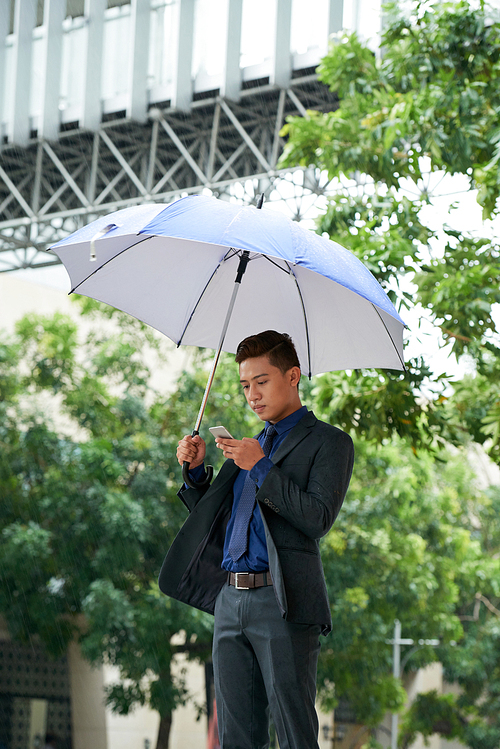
x=271, y=394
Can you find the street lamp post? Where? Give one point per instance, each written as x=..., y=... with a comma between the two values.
x=396, y=643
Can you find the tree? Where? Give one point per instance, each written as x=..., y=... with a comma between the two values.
x=89, y=506
x=426, y=107
x=402, y=547
x=423, y=110
x=472, y=716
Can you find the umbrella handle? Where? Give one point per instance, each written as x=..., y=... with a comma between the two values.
x=187, y=478
x=196, y=484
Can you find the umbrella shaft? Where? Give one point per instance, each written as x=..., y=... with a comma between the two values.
x=207, y=390
x=241, y=269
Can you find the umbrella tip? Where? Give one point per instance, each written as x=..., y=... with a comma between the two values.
x=260, y=200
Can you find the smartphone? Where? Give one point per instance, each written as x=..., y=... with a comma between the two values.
x=220, y=432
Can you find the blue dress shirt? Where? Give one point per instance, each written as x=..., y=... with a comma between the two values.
x=256, y=558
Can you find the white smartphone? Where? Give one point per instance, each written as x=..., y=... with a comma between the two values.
x=220, y=432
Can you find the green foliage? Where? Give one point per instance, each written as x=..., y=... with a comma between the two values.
x=433, y=93
x=426, y=108
x=433, y=713
x=378, y=405
x=385, y=233
x=86, y=517
x=459, y=288
x=9, y=377
x=429, y=104
x=402, y=547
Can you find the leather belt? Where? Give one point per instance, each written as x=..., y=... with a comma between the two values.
x=247, y=580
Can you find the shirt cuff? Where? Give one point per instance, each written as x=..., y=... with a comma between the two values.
x=260, y=470
x=197, y=474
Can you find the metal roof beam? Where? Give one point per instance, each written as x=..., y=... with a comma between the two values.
x=94, y=13
x=152, y=156
x=227, y=163
x=300, y=107
x=231, y=85
x=335, y=16
x=54, y=197
x=138, y=70
x=182, y=148
x=67, y=176
x=282, y=63
x=114, y=192
x=213, y=140
x=111, y=185
x=182, y=77
x=10, y=197
x=16, y=193
x=54, y=12
x=168, y=174
x=241, y=130
x=277, y=129
x=214, y=146
x=4, y=30
x=123, y=163
x=24, y=23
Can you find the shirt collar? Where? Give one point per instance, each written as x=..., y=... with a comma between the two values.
x=289, y=421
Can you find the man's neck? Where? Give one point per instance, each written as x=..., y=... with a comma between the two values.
x=292, y=411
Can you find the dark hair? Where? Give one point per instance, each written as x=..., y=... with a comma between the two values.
x=277, y=346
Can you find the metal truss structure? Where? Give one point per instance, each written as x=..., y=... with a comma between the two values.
x=50, y=188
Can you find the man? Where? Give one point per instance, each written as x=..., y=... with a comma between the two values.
x=248, y=552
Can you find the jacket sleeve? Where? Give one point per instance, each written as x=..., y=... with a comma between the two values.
x=191, y=497
x=225, y=478
x=312, y=509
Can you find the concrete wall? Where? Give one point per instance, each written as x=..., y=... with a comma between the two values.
x=88, y=713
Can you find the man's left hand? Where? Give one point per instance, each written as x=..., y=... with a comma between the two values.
x=245, y=453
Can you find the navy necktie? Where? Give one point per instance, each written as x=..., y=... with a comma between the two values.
x=239, y=537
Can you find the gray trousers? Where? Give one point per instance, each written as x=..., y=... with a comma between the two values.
x=263, y=663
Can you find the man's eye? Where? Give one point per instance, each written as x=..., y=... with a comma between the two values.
x=262, y=382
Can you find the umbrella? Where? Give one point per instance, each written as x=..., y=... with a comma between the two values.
x=207, y=272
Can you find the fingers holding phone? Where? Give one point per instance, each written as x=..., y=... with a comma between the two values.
x=245, y=453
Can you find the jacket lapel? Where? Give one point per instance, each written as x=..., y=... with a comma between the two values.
x=298, y=433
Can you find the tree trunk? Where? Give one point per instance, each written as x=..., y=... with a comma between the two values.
x=164, y=731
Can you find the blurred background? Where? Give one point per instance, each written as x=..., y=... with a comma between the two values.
x=376, y=126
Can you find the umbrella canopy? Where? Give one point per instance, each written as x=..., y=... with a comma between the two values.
x=174, y=268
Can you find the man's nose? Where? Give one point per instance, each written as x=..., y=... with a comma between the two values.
x=254, y=395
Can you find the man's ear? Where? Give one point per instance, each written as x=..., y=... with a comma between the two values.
x=294, y=374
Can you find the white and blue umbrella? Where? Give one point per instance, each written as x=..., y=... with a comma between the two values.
x=206, y=272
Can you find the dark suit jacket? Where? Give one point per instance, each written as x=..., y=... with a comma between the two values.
x=299, y=501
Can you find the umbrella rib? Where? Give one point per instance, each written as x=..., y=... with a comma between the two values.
x=390, y=336
x=107, y=261
x=273, y=262
x=305, y=317
x=227, y=256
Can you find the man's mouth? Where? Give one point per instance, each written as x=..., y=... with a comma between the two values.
x=258, y=408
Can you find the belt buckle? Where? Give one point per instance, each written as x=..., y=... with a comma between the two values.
x=236, y=583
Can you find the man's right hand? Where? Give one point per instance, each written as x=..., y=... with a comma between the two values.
x=192, y=450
